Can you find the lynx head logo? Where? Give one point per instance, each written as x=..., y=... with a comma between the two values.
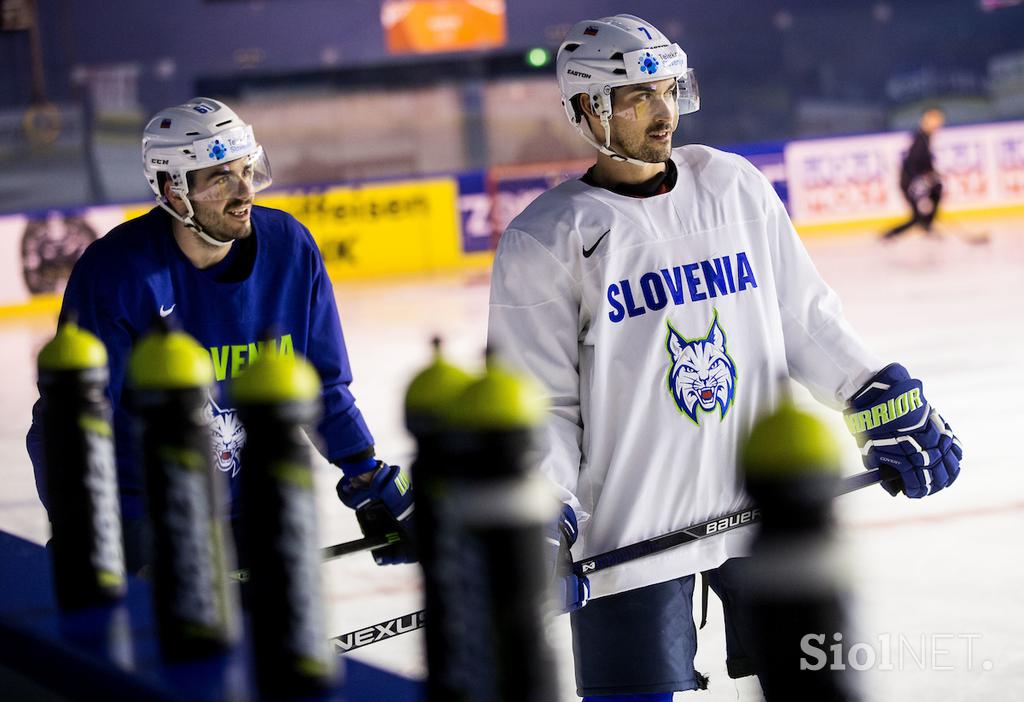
x=701, y=376
x=228, y=437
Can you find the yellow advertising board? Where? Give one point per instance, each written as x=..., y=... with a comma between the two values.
x=380, y=229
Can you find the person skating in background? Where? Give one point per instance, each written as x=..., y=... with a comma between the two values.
x=920, y=182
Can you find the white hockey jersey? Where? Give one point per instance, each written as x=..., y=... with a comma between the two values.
x=661, y=327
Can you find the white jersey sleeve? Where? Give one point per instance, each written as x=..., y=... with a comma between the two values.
x=533, y=325
x=823, y=352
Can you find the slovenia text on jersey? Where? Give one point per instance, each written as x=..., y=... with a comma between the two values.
x=697, y=281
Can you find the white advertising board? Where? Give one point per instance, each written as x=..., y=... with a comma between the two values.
x=857, y=178
x=37, y=250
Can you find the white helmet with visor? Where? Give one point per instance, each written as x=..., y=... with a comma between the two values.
x=599, y=55
x=195, y=135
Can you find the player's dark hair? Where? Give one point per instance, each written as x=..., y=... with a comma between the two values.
x=577, y=106
x=577, y=102
x=161, y=178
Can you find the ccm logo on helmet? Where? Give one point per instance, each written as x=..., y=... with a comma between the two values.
x=578, y=74
x=159, y=161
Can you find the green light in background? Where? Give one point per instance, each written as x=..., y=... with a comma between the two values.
x=538, y=57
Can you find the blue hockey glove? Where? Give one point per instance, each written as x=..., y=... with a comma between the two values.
x=571, y=591
x=384, y=507
x=898, y=430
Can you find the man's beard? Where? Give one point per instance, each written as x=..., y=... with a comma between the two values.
x=217, y=226
x=652, y=153
x=649, y=152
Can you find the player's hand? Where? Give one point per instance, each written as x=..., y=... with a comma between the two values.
x=384, y=507
x=571, y=591
x=897, y=429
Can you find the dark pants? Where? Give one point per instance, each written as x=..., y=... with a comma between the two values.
x=919, y=193
x=138, y=545
x=644, y=640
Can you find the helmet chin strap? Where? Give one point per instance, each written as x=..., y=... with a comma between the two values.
x=190, y=222
x=606, y=147
x=195, y=227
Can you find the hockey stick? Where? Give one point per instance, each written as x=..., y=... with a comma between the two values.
x=963, y=234
x=415, y=620
x=329, y=553
x=657, y=544
x=379, y=632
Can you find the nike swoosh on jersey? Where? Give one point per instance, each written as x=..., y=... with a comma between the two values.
x=588, y=252
x=165, y=312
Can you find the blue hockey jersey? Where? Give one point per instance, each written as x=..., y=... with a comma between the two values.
x=273, y=280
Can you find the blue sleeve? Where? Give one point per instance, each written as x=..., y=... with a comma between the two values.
x=34, y=443
x=93, y=295
x=342, y=428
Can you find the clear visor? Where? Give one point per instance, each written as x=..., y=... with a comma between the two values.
x=688, y=96
x=234, y=180
x=684, y=97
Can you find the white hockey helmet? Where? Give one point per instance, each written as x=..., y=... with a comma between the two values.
x=598, y=55
x=197, y=134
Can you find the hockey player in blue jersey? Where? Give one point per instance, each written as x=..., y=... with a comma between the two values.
x=225, y=271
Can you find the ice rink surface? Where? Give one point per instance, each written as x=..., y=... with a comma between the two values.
x=939, y=582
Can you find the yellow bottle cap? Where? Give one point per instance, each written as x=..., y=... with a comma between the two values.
x=789, y=443
x=500, y=399
x=72, y=348
x=276, y=377
x=435, y=388
x=168, y=360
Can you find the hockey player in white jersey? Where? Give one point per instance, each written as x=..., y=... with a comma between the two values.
x=659, y=298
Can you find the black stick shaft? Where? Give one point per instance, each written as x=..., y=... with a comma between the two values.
x=329, y=553
x=365, y=544
x=415, y=620
x=728, y=522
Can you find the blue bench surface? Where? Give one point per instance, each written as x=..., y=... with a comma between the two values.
x=111, y=653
